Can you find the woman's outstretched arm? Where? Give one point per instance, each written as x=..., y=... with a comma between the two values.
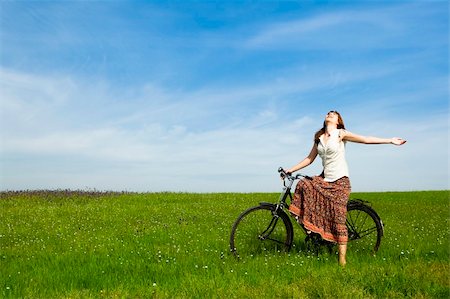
x=348, y=136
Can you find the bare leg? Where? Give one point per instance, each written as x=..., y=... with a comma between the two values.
x=342, y=250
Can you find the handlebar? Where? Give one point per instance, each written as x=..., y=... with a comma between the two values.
x=284, y=174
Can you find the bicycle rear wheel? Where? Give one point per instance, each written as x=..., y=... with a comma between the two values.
x=261, y=229
x=365, y=228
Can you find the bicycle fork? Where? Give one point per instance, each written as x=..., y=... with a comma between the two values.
x=270, y=228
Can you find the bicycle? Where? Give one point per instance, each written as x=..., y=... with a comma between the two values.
x=267, y=226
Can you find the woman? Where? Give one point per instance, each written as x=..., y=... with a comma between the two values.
x=320, y=203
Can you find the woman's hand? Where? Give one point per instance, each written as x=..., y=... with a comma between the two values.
x=398, y=141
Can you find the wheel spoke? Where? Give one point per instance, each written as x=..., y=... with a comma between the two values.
x=277, y=241
x=362, y=233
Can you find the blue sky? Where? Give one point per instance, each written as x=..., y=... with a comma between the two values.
x=214, y=96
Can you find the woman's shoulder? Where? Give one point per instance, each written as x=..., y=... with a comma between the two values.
x=342, y=133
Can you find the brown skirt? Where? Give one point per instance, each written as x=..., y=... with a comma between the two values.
x=321, y=207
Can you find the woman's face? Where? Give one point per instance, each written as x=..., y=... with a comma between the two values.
x=332, y=116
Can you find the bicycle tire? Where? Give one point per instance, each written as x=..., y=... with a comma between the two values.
x=365, y=228
x=259, y=230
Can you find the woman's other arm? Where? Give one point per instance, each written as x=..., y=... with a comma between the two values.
x=305, y=162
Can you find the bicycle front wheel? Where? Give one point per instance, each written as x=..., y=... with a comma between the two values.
x=365, y=228
x=259, y=230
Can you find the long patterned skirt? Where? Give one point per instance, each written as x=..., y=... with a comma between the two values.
x=321, y=207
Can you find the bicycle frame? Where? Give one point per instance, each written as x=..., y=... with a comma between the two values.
x=286, y=192
x=288, y=181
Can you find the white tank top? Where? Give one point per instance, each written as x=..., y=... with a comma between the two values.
x=333, y=157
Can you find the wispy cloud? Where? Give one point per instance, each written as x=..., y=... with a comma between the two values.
x=352, y=29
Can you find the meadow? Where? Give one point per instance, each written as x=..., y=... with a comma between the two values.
x=76, y=244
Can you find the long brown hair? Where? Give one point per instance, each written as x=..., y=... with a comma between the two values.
x=323, y=129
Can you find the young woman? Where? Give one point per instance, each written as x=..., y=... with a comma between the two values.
x=320, y=203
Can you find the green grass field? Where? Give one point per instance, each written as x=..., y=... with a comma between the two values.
x=64, y=244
